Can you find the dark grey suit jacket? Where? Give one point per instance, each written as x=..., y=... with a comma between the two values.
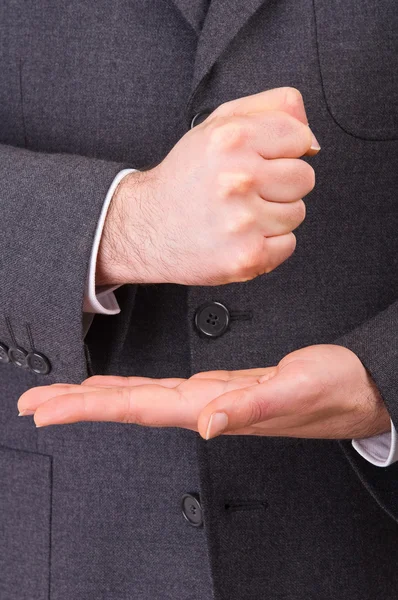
x=92, y=511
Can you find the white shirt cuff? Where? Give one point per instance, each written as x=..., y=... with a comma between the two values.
x=380, y=450
x=102, y=300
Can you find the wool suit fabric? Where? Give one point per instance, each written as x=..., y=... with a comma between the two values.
x=93, y=511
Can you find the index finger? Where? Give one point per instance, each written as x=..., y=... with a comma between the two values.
x=151, y=405
x=285, y=99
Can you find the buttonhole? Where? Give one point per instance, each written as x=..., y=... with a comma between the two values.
x=245, y=505
x=241, y=315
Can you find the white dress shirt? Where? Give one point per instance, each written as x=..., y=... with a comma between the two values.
x=380, y=450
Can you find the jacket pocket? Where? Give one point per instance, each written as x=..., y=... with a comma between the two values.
x=358, y=58
x=25, y=511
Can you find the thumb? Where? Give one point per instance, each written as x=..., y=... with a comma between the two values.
x=271, y=397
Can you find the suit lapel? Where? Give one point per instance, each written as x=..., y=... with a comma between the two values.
x=192, y=11
x=223, y=21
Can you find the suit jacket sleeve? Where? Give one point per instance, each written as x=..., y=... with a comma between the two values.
x=376, y=344
x=49, y=209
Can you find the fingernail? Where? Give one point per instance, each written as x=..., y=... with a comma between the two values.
x=26, y=412
x=218, y=423
x=315, y=147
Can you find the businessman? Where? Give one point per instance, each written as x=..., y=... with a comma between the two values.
x=154, y=160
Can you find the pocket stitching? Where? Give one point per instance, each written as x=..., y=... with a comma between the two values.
x=367, y=138
x=21, y=451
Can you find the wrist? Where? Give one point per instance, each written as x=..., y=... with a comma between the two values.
x=380, y=421
x=127, y=246
x=111, y=259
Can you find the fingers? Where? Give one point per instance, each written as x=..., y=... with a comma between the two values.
x=150, y=405
x=33, y=398
x=284, y=179
x=282, y=183
x=115, y=380
x=233, y=375
x=272, y=134
x=286, y=99
x=278, y=180
x=277, y=134
x=278, y=249
x=239, y=409
x=175, y=404
x=261, y=255
x=276, y=219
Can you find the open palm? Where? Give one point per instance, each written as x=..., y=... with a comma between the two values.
x=321, y=391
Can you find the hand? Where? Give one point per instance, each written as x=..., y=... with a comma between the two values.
x=317, y=392
x=221, y=207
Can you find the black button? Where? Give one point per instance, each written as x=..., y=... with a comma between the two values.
x=18, y=357
x=4, y=358
x=212, y=319
x=192, y=510
x=38, y=363
x=199, y=118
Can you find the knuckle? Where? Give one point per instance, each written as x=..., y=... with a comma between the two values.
x=129, y=412
x=298, y=212
x=139, y=419
x=281, y=124
x=233, y=183
x=290, y=245
x=256, y=410
x=249, y=408
x=225, y=135
x=301, y=138
x=307, y=383
x=293, y=97
x=306, y=176
x=297, y=136
x=240, y=222
x=311, y=178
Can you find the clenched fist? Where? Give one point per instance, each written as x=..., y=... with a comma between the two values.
x=222, y=205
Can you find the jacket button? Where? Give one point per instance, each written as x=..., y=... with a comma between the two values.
x=4, y=358
x=18, y=357
x=199, y=118
x=38, y=363
x=212, y=319
x=192, y=510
